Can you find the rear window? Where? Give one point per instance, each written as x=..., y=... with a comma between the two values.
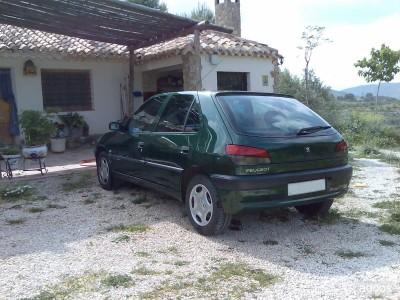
x=268, y=116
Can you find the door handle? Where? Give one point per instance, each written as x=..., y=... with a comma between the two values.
x=184, y=150
x=140, y=146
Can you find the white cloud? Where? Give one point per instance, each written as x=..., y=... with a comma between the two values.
x=280, y=24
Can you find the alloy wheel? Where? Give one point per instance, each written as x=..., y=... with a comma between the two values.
x=201, y=205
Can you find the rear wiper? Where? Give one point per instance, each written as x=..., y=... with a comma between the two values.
x=311, y=130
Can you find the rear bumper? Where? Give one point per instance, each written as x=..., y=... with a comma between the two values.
x=244, y=193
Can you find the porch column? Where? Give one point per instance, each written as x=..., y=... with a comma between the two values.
x=130, y=108
x=192, y=66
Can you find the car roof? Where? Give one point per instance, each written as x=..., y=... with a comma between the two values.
x=231, y=93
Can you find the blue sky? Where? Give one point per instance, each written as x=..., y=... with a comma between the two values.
x=354, y=26
x=352, y=12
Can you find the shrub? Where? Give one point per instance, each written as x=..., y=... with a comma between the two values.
x=37, y=128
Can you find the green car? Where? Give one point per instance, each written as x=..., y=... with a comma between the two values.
x=226, y=153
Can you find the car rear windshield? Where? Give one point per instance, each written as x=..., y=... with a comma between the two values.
x=269, y=116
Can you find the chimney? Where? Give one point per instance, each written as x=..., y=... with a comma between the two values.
x=227, y=14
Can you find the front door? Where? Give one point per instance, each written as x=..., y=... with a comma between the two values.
x=131, y=160
x=168, y=150
x=5, y=137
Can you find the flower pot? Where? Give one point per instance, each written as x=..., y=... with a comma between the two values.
x=13, y=160
x=76, y=132
x=35, y=151
x=58, y=145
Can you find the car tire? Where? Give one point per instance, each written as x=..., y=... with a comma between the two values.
x=318, y=209
x=104, y=173
x=204, y=208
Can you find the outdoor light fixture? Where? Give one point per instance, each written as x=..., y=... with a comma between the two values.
x=29, y=68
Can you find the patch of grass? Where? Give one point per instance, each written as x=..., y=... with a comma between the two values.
x=118, y=280
x=252, y=279
x=348, y=254
x=35, y=210
x=170, y=250
x=143, y=271
x=376, y=296
x=181, y=263
x=16, y=193
x=142, y=198
x=167, y=290
x=356, y=214
x=143, y=254
x=80, y=182
x=390, y=159
x=270, y=243
x=334, y=216
x=122, y=239
x=236, y=279
x=387, y=204
x=307, y=249
x=134, y=228
x=70, y=287
x=56, y=206
x=15, y=221
x=390, y=228
x=387, y=243
x=391, y=222
x=89, y=201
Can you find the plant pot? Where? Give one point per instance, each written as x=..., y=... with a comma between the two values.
x=58, y=145
x=35, y=151
x=13, y=160
x=76, y=132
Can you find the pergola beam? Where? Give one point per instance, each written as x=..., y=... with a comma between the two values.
x=111, y=21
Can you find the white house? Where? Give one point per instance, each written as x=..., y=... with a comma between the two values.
x=55, y=71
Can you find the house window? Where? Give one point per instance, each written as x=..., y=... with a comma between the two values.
x=66, y=90
x=232, y=81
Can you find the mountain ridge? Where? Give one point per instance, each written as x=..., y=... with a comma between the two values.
x=391, y=89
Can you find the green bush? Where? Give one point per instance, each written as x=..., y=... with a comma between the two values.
x=364, y=128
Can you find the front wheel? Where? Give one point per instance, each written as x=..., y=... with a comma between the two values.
x=104, y=173
x=318, y=209
x=204, y=208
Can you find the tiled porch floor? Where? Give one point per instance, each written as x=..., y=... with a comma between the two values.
x=67, y=162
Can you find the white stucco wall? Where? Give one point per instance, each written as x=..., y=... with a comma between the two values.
x=106, y=77
x=256, y=67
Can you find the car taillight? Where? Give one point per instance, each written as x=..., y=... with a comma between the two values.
x=244, y=155
x=341, y=147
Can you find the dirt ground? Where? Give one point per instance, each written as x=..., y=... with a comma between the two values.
x=65, y=238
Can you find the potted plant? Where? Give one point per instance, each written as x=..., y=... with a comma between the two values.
x=37, y=130
x=12, y=155
x=75, y=123
x=58, y=140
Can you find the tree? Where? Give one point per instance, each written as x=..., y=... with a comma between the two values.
x=320, y=96
x=312, y=37
x=151, y=3
x=383, y=65
x=202, y=13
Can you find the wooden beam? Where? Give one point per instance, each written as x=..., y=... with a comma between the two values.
x=132, y=59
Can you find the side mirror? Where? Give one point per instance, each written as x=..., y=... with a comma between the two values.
x=114, y=126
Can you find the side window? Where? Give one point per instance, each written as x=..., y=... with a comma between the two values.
x=174, y=116
x=145, y=117
x=193, y=119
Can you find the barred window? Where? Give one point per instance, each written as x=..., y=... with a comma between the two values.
x=66, y=90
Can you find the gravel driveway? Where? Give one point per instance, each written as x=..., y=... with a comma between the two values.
x=68, y=239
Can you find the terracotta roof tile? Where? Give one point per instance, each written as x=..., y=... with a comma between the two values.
x=13, y=39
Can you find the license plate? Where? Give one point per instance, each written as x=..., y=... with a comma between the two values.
x=306, y=187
